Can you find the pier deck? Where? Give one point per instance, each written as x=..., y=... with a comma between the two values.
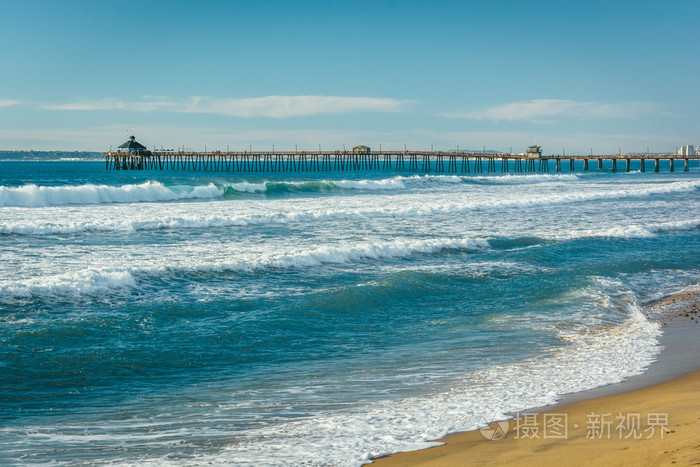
x=425, y=161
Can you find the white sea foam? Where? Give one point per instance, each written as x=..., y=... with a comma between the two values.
x=395, y=183
x=626, y=231
x=433, y=179
x=248, y=187
x=401, y=182
x=327, y=254
x=229, y=257
x=256, y=212
x=88, y=281
x=526, y=178
x=591, y=195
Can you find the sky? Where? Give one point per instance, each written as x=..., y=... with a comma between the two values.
x=574, y=77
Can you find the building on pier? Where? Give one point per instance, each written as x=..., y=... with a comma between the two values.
x=361, y=149
x=132, y=145
x=534, y=151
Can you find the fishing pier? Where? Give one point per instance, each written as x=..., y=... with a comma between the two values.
x=362, y=158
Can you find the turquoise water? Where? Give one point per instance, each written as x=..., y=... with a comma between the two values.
x=274, y=319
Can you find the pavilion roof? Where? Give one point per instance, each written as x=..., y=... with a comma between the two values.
x=132, y=144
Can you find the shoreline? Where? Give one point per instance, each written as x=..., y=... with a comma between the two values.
x=667, y=389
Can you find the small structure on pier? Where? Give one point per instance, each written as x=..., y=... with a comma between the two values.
x=534, y=151
x=132, y=145
x=361, y=149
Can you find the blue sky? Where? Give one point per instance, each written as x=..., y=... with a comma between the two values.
x=573, y=76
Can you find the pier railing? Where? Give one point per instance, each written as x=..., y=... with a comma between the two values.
x=425, y=161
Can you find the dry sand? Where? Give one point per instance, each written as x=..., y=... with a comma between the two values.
x=649, y=426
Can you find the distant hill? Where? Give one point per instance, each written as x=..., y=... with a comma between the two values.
x=50, y=155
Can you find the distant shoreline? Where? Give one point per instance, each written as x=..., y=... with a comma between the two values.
x=50, y=156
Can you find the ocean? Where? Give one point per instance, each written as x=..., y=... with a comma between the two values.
x=318, y=318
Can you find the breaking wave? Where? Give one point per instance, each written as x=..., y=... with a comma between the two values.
x=316, y=186
x=153, y=191
x=98, y=280
x=39, y=196
x=627, y=231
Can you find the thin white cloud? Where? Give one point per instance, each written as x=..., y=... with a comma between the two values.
x=269, y=106
x=8, y=102
x=539, y=109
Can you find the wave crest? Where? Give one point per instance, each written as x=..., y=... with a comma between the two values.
x=40, y=196
x=97, y=280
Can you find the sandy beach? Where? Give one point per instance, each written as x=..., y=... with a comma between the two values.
x=653, y=419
